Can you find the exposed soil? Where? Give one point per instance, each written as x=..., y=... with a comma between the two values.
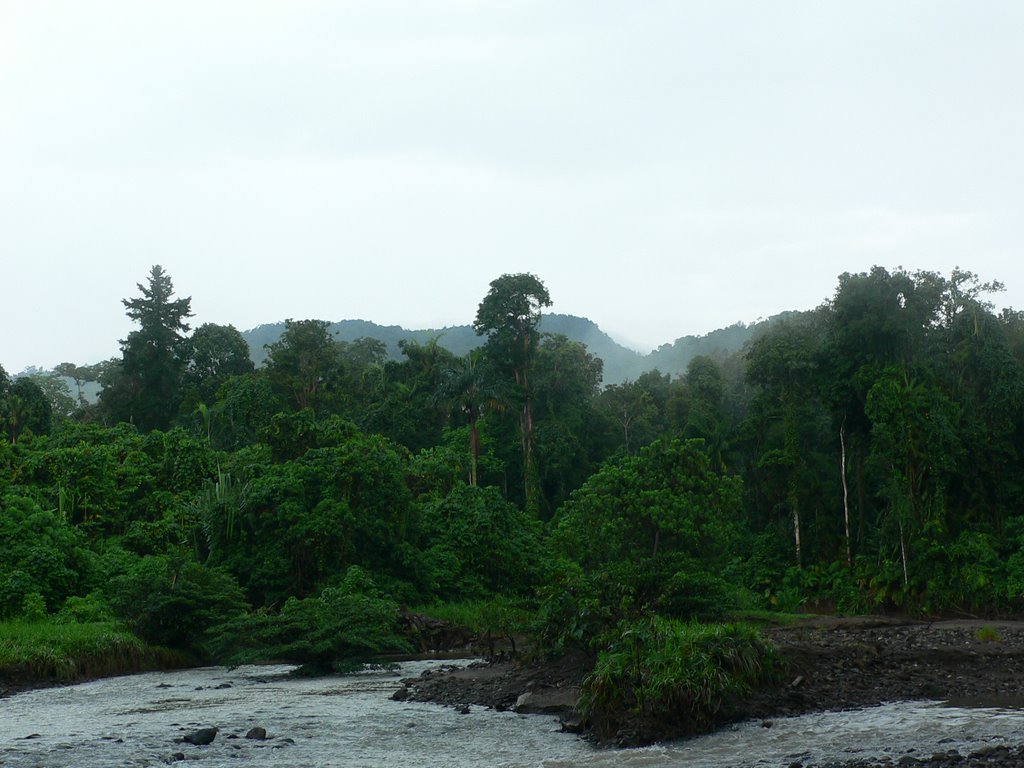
x=829, y=664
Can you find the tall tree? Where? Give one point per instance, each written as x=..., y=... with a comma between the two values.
x=508, y=316
x=469, y=387
x=567, y=380
x=148, y=391
x=26, y=407
x=304, y=365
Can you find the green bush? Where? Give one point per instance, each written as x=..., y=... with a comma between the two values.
x=33, y=607
x=84, y=610
x=172, y=601
x=665, y=677
x=575, y=608
x=479, y=544
x=342, y=628
x=38, y=553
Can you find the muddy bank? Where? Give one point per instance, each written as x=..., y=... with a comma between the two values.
x=828, y=664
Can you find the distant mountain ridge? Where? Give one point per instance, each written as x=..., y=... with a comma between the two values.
x=620, y=362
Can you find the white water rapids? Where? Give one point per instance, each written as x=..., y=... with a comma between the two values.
x=351, y=721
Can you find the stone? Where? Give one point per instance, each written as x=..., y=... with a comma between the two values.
x=258, y=733
x=202, y=737
x=401, y=694
x=546, y=701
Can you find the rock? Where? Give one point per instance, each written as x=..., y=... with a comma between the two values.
x=543, y=701
x=222, y=686
x=202, y=737
x=464, y=709
x=258, y=732
x=177, y=757
x=402, y=694
x=571, y=725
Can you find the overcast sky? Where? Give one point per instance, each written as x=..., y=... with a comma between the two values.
x=666, y=168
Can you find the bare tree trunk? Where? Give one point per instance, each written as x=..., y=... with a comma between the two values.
x=846, y=492
x=474, y=452
x=903, y=553
x=796, y=535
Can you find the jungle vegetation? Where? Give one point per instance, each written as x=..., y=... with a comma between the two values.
x=863, y=456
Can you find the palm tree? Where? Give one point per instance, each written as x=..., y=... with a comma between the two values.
x=472, y=388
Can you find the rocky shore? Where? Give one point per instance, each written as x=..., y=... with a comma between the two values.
x=828, y=664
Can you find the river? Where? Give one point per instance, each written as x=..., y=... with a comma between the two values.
x=352, y=722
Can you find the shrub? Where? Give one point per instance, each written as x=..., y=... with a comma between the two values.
x=33, y=607
x=339, y=630
x=173, y=601
x=661, y=677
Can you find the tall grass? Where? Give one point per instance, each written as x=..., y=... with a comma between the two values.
x=47, y=651
x=668, y=677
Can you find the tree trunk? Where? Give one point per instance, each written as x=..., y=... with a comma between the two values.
x=474, y=452
x=796, y=534
x=903, y=554
x=846, y=491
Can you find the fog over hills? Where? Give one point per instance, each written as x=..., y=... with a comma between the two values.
x=620, y=362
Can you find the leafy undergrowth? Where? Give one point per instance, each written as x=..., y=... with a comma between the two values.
x=663, y=678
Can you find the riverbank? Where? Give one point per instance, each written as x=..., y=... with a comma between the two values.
x=828, y=664
x=46, y=653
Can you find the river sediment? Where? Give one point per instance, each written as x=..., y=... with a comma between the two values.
x=829, y=664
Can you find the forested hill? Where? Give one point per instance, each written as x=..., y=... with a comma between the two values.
x=620, y=363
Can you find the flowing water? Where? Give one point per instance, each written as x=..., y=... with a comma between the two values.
x=352, y=722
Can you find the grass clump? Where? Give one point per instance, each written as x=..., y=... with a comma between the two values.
x=661, y=677
x=55, y=650
x=45, y=650
x=988, y=634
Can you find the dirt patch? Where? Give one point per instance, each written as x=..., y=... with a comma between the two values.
x=840, y=664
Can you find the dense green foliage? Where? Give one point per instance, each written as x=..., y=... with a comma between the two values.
x=866, y=455
x=662, y=675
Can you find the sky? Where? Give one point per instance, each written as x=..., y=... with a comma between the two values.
x=665, y=168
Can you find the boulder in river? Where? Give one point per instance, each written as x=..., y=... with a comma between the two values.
x=202, y=737
x=258, y=732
